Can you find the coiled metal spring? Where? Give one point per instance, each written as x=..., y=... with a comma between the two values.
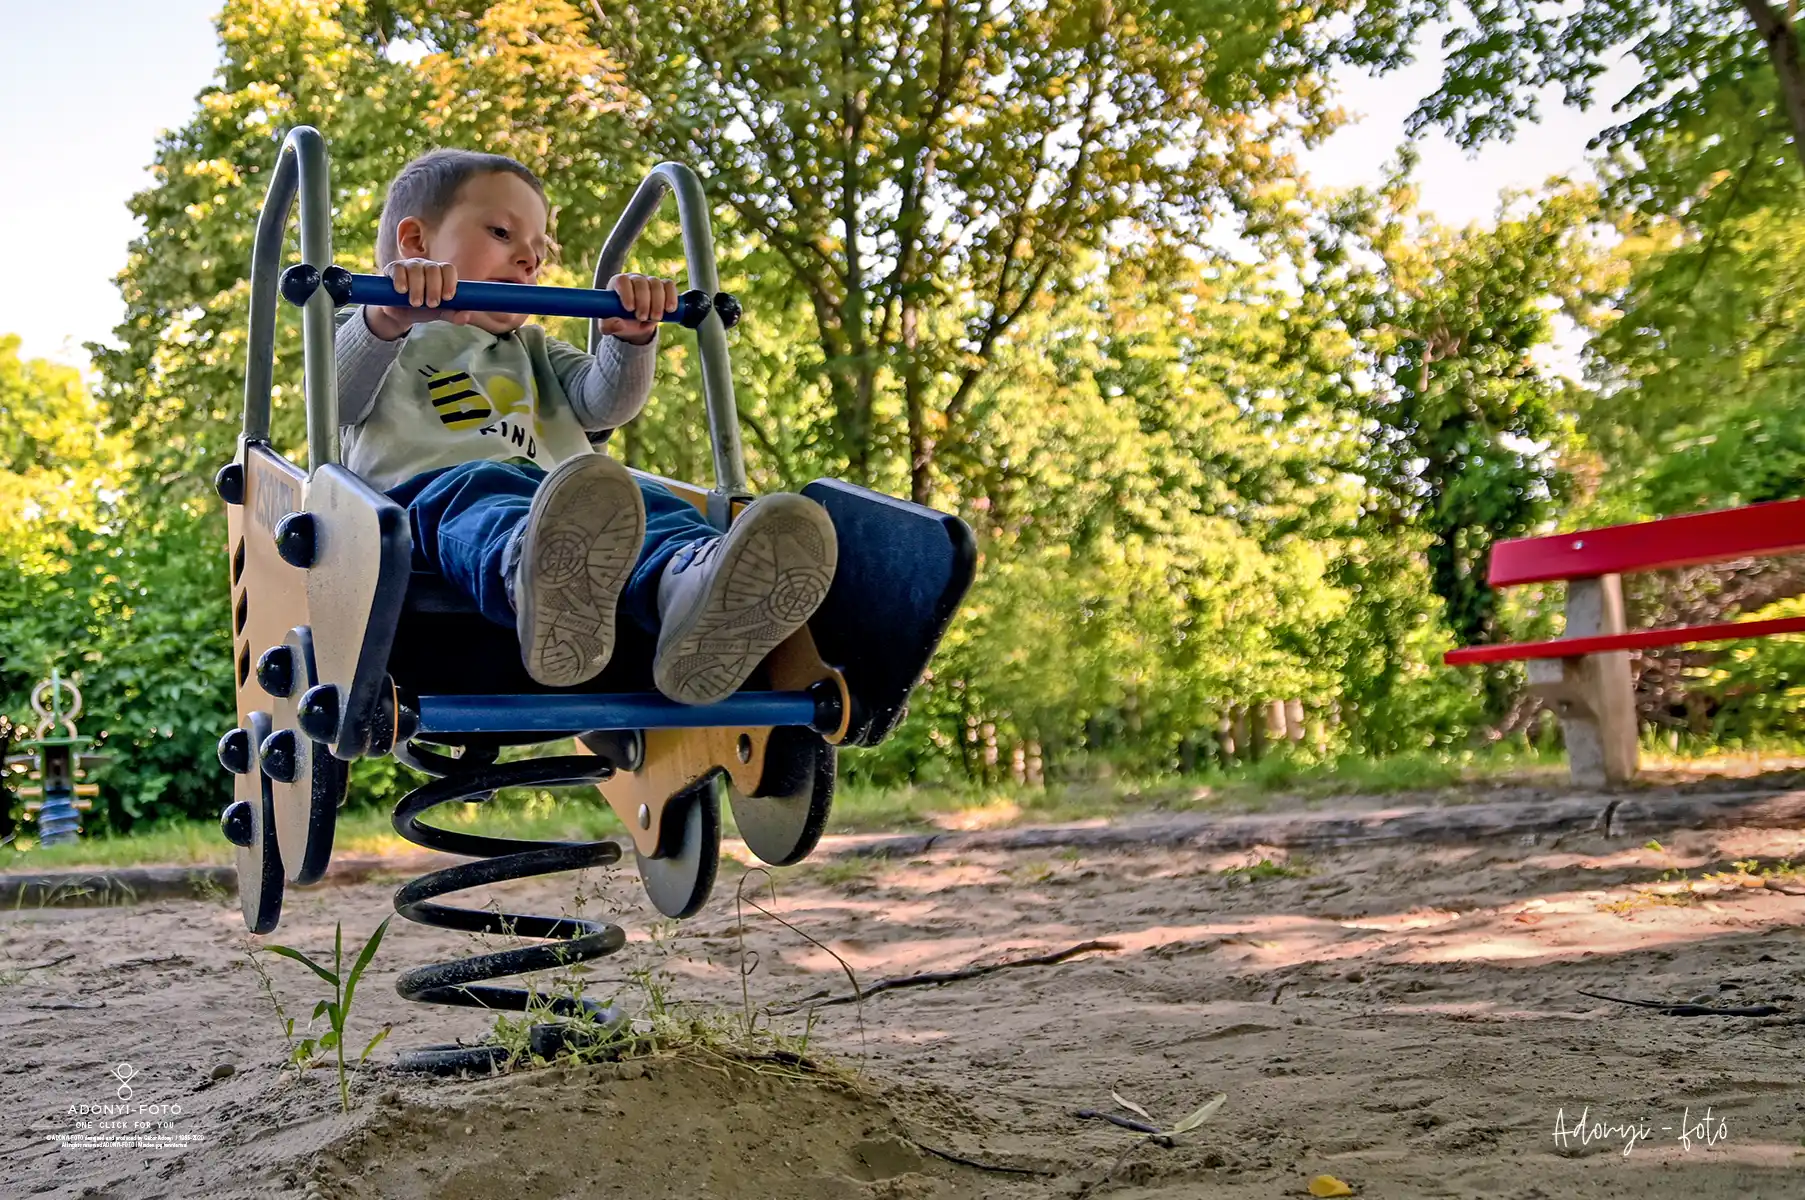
x=475, y=776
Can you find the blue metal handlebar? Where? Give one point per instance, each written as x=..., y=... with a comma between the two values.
x=300, y=281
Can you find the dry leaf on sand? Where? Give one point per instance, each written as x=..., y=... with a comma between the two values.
x=1200, y=1116
x=1132, y=1107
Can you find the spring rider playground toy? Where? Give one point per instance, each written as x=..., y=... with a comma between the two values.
x=340, y=652
x=53, y=763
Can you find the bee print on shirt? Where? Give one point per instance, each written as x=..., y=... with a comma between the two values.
x=458, y=400
x=497, y=406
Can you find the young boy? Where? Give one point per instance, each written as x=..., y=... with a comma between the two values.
x=475, y=422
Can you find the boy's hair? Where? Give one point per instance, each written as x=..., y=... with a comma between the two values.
x=428, y=186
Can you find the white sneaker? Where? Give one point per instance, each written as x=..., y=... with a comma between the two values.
x=575, y=553
x=725, y=602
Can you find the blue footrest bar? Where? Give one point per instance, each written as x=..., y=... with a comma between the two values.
x=560, y=713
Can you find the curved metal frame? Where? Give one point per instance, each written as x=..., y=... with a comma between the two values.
x=711, y=336
x=301, y=167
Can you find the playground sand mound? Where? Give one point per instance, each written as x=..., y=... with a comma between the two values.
x=670, y=1130
x=1409, y=1020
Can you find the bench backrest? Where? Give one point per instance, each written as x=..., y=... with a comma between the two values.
x=1712, y=537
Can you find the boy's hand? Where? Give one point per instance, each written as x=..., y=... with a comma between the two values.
x=426, y=284
x=647, y=299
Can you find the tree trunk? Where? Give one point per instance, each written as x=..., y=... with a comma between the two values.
x=7, y=824
x=853, y=408
x=859, y=370
x=921, y=445
x=1782, y=42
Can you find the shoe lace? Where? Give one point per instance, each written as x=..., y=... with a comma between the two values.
x=695, y=553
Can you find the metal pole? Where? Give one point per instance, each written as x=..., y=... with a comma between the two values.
x=711, y=336
x=319, y=362
x=301, y=166
x=266, y=267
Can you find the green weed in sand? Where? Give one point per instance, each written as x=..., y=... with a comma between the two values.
x=336, y=1010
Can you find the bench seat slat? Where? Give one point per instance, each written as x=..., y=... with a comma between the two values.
x=1689, y=541
x=1635, y=639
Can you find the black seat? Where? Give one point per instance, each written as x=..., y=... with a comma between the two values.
x=903, y=570
x=429, y=593
x=444, y=647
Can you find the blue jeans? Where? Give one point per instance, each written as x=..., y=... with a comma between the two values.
x=463, y=517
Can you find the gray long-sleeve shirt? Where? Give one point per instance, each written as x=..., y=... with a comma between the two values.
x=447, y=394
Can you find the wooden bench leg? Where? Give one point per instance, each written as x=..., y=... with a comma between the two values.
x=1594, y=695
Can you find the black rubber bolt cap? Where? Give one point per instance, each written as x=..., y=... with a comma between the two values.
x=294, y=539
x=729, y=308
x=279, y=753
x=337, y=282
x=318, y=713
x=229, y=483
x=276, y=671
x=235, y=822
x=235, y=752
x=299, y=282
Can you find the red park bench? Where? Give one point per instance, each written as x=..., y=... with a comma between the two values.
x=1586, y=673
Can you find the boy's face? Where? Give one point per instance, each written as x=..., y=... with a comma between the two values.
x=494, y=232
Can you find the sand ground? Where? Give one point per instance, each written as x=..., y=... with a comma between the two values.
x=1407, y=1020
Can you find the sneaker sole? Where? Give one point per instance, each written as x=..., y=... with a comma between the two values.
x=776, y=566
x=583, y=536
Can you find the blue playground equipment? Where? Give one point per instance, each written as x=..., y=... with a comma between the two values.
x=340, y=652
x=53, y=762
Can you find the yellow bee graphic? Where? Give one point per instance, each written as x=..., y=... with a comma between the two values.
x=458, y=400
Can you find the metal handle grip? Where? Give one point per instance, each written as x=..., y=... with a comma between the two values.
x=298, y=282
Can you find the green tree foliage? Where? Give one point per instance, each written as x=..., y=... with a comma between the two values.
x=1703, y=403
x=923, y=172
x=975, y=247
x=105, y=589
x=1138, y=584
x=1697, y=403
x=1430, y=342
x=1700, y=407
x=1697, y=406
x=1720, y=81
